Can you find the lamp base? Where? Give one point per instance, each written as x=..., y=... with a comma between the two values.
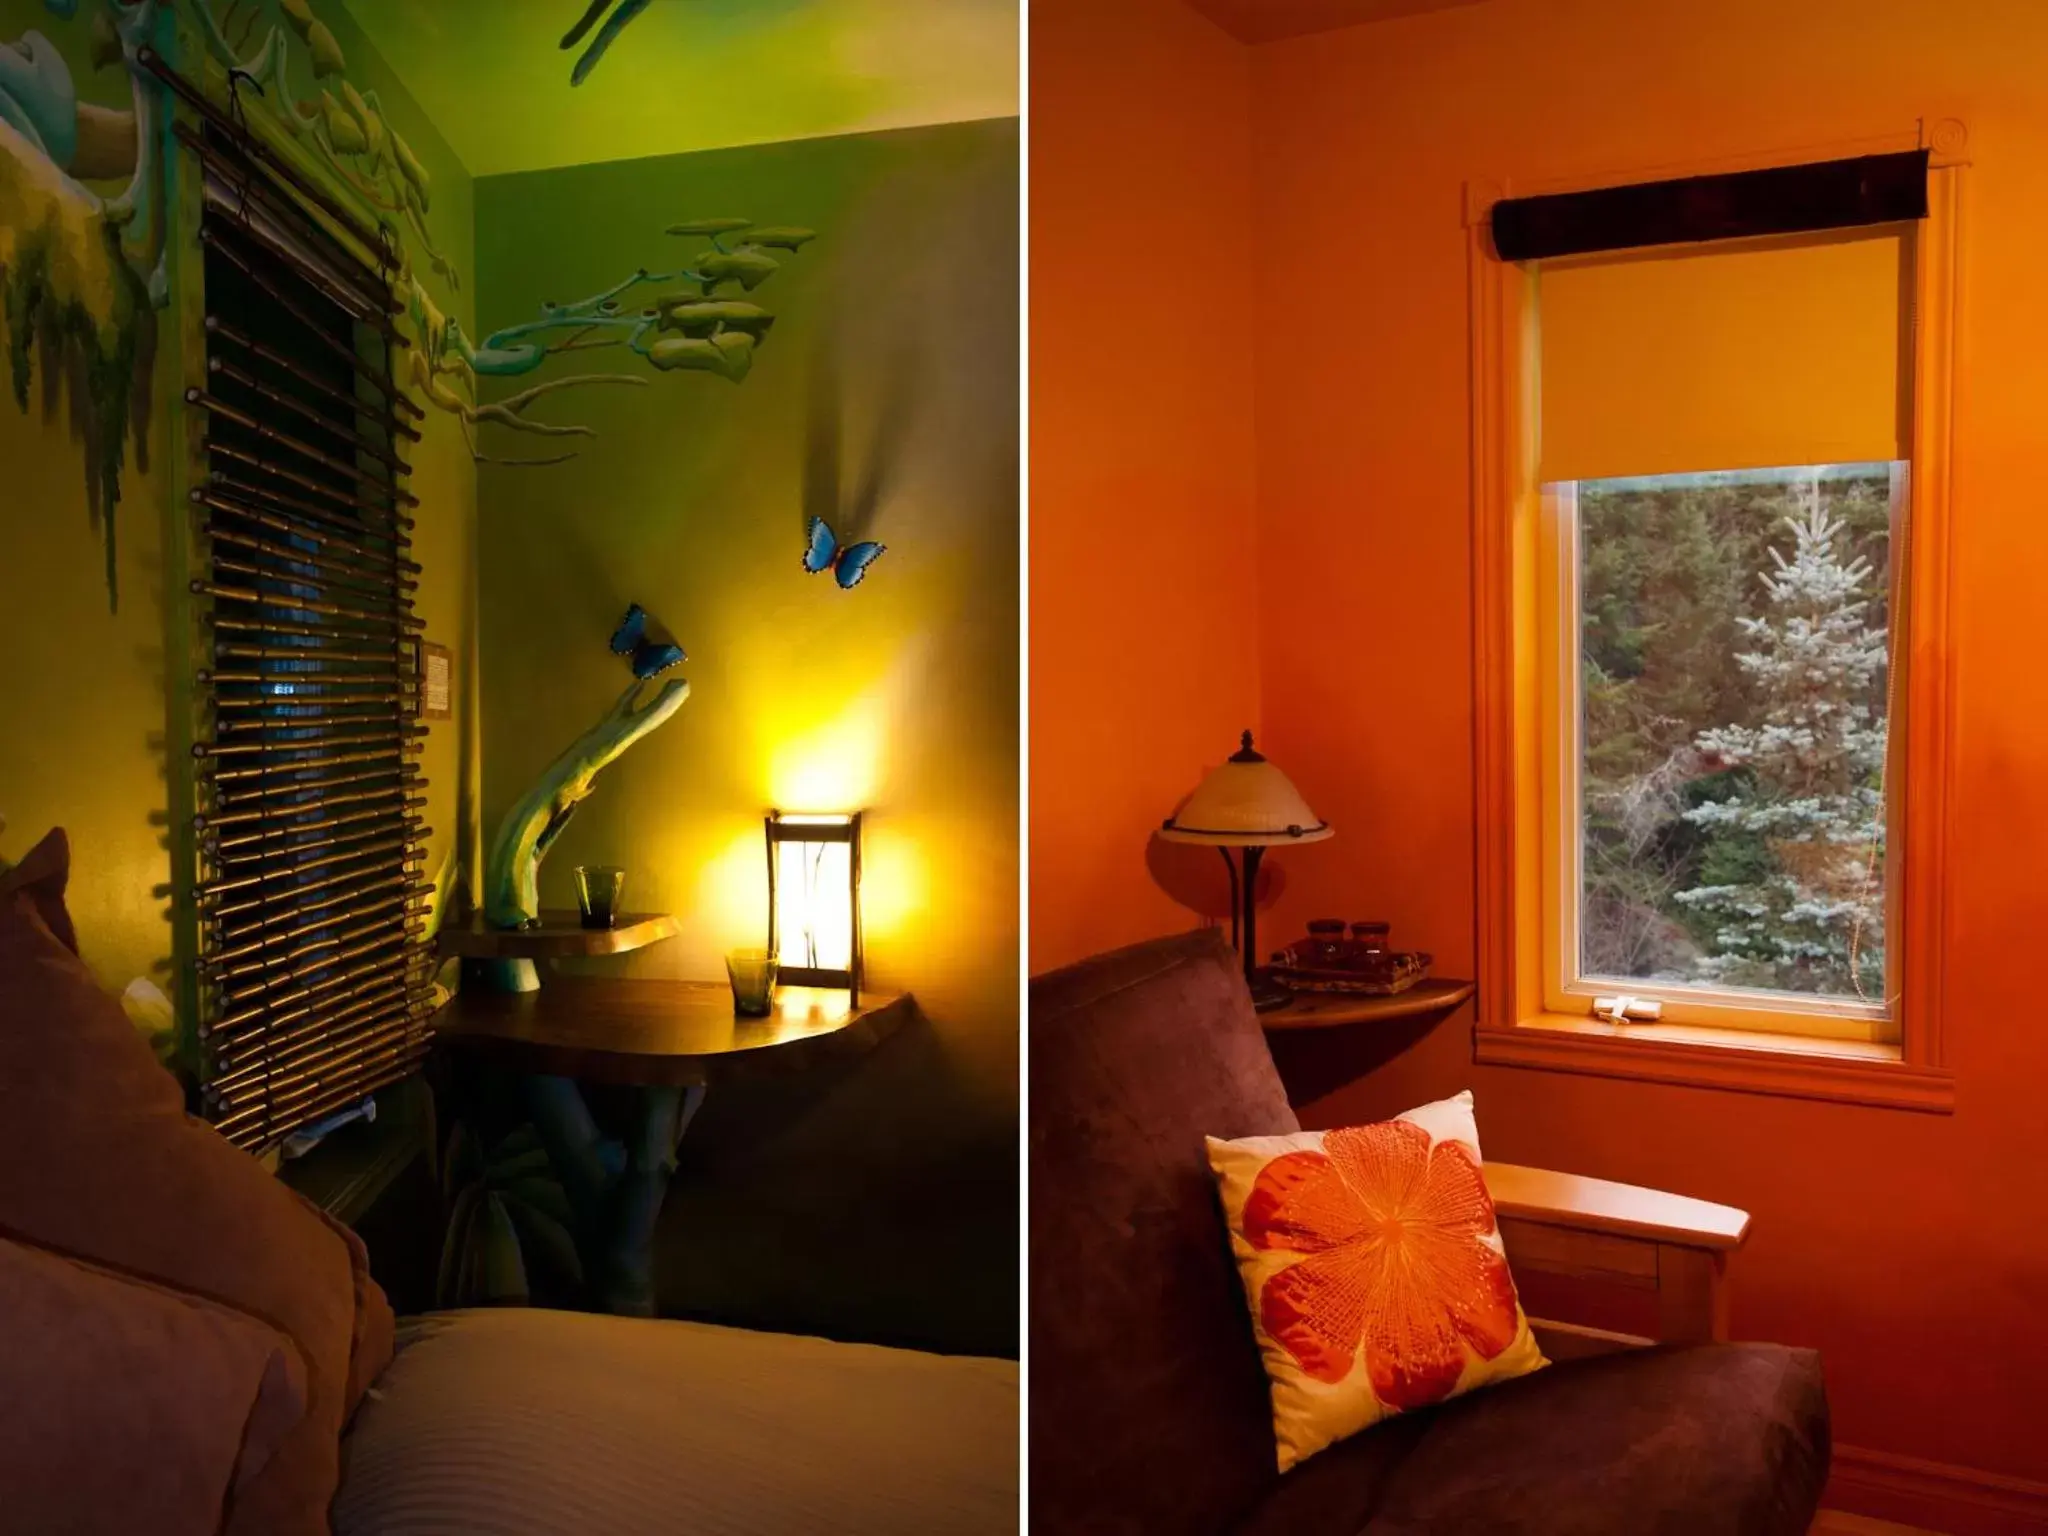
x=1267, y=994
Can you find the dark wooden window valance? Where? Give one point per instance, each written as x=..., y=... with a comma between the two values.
x=1785, y=199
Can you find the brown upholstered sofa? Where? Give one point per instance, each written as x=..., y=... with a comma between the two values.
x=1148, y=1405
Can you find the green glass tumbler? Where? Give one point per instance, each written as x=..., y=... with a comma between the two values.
x=599, y=889
x=752, y=974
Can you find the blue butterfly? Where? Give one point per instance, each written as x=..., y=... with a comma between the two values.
x=847, y=564
x=650, y=648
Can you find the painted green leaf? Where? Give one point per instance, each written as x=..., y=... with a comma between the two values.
x=415, y=173
x=500, y=1265
x=729, y=356
x=542, y=1193
x=343, y=131
x=548, y=1242
x=455, y=1246
x=522, y=1138
x=325, y=51
x=709, y=226
x=516, y=1163
x=701, y=317
x=738, y=348
x=366, y=115
x=781, y=237
x=461, y=1161
x=750, y=268
x=673, y=352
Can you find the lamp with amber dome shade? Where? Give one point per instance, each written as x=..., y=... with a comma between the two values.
x=1247, y=803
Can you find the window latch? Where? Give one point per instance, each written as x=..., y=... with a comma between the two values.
x=1627, y=1008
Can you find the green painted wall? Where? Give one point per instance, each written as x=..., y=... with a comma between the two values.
x=85, y=699
x=881, y=1203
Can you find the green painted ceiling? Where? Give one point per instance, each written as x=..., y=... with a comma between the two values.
x=690, y=74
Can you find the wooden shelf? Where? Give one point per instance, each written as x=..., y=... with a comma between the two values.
x=1327, y=1010
x=559, y=936
x=652, y=1032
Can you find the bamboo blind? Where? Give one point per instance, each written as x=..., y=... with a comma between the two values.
x=314, y=958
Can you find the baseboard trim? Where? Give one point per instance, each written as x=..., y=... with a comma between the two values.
x=1936, y=1494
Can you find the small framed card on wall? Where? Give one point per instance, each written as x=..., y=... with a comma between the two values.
x=437, y=681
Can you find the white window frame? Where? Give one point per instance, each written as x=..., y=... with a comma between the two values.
x=1562, y=727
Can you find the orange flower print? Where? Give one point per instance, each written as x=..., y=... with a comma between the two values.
x=1391, y=1228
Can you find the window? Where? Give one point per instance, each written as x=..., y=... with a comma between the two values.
x=1720, y=726
x=314, y=960
x=1711, y=670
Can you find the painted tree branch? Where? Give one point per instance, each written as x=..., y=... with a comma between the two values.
x=605, y=38
x=512, y=871
x=511, y=410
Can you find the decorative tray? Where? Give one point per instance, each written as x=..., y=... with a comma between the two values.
x=1381, y=973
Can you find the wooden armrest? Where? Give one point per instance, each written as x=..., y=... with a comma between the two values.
x=1626, y=1210
x=1590, y=1229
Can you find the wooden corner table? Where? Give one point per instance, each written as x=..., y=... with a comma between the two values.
x=1322, y=1041
x=668, y=1041
x=1327, y=1010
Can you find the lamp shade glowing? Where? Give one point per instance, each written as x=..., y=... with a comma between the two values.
x=1245, y=803
x=814, y=899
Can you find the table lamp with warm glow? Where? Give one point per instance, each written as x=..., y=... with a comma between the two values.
x=1248, y=804
x=814, y=900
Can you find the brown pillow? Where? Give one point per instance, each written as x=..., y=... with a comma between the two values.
x=122, y=1176
x=128, y=1407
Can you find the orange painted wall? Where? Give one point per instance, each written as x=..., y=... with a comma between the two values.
x=1144, y=662
x=1912, y=1249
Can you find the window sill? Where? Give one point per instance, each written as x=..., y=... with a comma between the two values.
x=1740, y=1061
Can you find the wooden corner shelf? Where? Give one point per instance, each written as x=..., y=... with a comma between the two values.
x=1327, y=1010
x=651, y=1032
x=560, y=935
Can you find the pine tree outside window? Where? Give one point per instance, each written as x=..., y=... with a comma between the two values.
x=1724, y=705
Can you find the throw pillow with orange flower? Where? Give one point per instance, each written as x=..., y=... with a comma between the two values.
x=1373, y=1265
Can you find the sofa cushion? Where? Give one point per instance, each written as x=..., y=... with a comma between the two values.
x=125, y=1406
x=522, y=1422
x=1700, y=1440
x=1374, y=1270
x=1148, y=1402
x=123, y=1177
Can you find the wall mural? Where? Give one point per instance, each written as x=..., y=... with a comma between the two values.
x=84, y=273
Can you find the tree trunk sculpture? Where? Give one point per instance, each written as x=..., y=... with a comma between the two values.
x=512, y=872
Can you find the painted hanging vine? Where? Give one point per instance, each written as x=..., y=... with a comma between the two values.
x=83, y=270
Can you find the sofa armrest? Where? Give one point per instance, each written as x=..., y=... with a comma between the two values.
x=1621, y=1234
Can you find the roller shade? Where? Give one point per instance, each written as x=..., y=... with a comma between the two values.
x=1735, y=355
